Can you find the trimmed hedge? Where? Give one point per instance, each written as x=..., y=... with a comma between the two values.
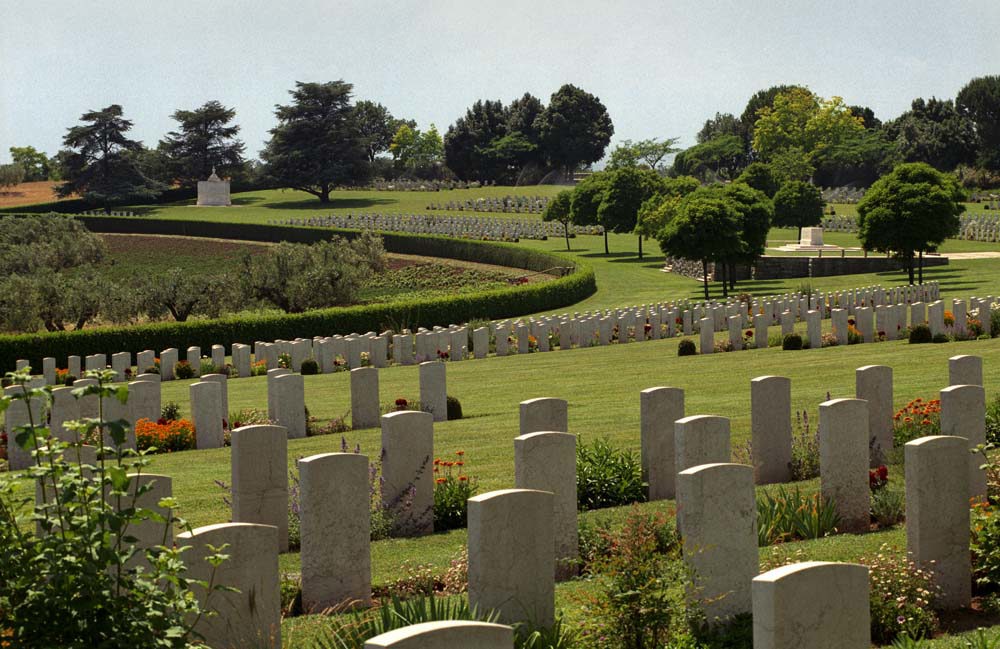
x=492, y=304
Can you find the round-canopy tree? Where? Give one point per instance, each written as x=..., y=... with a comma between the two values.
x=912, y=209
x=628, y=188
x=798, y=204
x=560, y=210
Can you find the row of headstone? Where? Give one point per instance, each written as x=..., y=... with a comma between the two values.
x=403, y=185
x=972, y=227
x=842, y=194
x=466, y=227
x=509, y=204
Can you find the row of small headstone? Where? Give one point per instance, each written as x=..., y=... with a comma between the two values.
x=842, y=194
x=466, y=227
x=638, y=323
x=972, y=227
x=103, y=213
x=422, y=185
x=507, y=204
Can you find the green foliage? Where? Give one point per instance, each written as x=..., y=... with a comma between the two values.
x=687, y=347
x=919, y=334
x=914, y=208
x=607, y=476
x=798, y=204
x=721, y=124
x=204, y=143
x=454, y=408
x=317, y=144
x=888, y=507
x=34, y=163
x=101, y=167
x=560, y=210
x=626, y=191
x=507, y=302
x=353, y=630
x=11, y=175
x=309, y=366
x=901, y=598
x=575, y=128
x=31, y=244
x=790, y=516
x=791, y=342
x=805, y=450
x=170, y=411
x=646, y=154
x=761, y=177
x=452, y=489
x=993, y=421
x=467, y=140
x=935, y=133
x=80, y=557
x=754, y=215
x=720, y=158
x=940, y=338
x=183, y=370
x=418, y=154
x=979, y=101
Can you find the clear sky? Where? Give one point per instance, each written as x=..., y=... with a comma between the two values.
x=661, y=67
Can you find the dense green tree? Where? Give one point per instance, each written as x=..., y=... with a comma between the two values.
x=647, y=154
x=510, y=155
x=317, y=144
x=659, y=209
x=858, y=160
x=99, y=167
x=377, y=126
x=798, y=204
x=560, y=210
x=755, y=211
x=181, y=293
x=574, y=128
x=911, y=210
x=760, y=99
x=761, y=177
x=418, y=154
x=720, y=125
x=867, y=115
x=11, y=175
x=705, y=227
x=467, y=141
x=34, y=162
x=979, y=101
x=586, y=201
x=204, y=141
x=524, y=148
x=933, y=131
x=31, y=244
x=718, y=159
x=627, y=189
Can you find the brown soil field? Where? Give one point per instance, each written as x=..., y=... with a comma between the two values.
x=41, y=191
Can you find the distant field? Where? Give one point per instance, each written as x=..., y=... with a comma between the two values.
x=29, y=193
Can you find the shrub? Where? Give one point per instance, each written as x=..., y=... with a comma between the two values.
x=168, y=437
x=152, y=369
x=791, y=342
x=285, y=361
x=309, y=367
x=940, y=338
x=805, y=450
x=789, y=516
x=686, y=347
x=916, y=419
x=607, y=476
x=888, y=507
x=170, y=411
x=920, y=334
x=986, y=547
x=454, y=408
x=901, y=598
x=183, y=370
x=993, y=421
x=452, y=489
x=207, y=367
x=249, y=417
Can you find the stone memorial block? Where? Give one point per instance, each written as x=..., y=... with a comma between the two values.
x=502, y=342
x=434, y=389
x=659, y=408
x=145, y=360
x=49, y=370
x=546, y=461
x=354, y=348
x=65, y=408
x=480, y=342
x=787, y=323
x=219, y=357
x=686, y=323
x=241, y=360
x=17, y=415
x=89, y=405
x=717, y=517
x=149, y=533
x=168, y=359
x=937, y=515
x=935, y=317
x=272, y=390
x=814, y=605
x=736, y=332
x=866, y=324
x=223, y=381
x=873, y=383
x=511, y=555
x=814, y=329
x=206, y=413
x=445, y=635
x=760, y=331
x=918, y=314
x=965, y=370
x=299, y=350
x=290, y=404
x=604, y=331
x=701, y=439
x=523, y=338
x=97, y=362
x=250, y=617
x=963, y=414
x=843, y=460
x=707, y=334
x=336, y=532
x=193, y=358
x=960, y=313
x=21, y=364
x=544, y=414
x=365, y=405
x=213, y=192
x=380, y=351
x=771, y=428
x=144, y=402
x=407, y=471
x=838, y=319
x=73, y=364
x=260, y=478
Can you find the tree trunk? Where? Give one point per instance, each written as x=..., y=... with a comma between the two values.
x=920, y=267
x=909, y=264
x=566, y=232
x=704, y=273
x=606, y=251
x=725, y=277
x=800, y=234
x=324, y=195
x=732, y=276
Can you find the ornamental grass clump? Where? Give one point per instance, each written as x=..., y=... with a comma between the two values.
x=784, y=515
x=607, y=476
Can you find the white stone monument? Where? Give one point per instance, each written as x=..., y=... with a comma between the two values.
x=213, y=192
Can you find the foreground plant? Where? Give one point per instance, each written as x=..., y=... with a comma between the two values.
x=67, y=572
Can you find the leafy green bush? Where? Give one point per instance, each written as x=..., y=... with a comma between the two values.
x=686, y=347
x=452, y=489
x=789, y=516
x=80, y=558
x=940, y=338
x=207, y=367
x=309, y=367
x=183, y=370
x=454, y=408
x=920, y=334
x=901, y=598
x=791, y=342
x=993, y=421
x=888, y=507
x=607, y=476
x=170, y=411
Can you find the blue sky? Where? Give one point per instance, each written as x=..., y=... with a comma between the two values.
x=661, y=68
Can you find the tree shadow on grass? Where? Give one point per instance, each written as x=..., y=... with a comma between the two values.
x=334, y=204
x=247, y=200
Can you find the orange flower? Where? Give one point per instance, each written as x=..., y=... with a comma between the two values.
x=908, y=420
x=459, y=452
x=441, y=480
x=463, y=478
x=926, y=422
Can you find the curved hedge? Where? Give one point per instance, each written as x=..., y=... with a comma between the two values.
x=492, y=304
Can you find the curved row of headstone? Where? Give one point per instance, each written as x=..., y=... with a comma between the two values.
x=842, y=194
x=972, y=227
x=523, y=539
x=465, y=227
x=889, y=308
x=507, y=204
x=421, y=185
